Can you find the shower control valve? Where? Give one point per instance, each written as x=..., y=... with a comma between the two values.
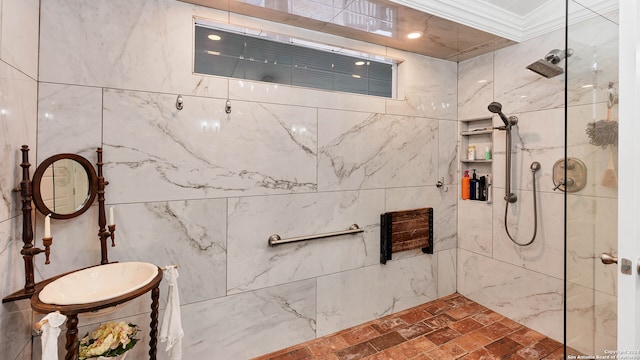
x=575, y=173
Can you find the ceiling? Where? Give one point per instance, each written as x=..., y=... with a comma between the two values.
x=453, y=30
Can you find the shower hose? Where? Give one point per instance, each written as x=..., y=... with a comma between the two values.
x=534, y=167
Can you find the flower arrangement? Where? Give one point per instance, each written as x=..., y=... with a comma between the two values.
x=110, y=339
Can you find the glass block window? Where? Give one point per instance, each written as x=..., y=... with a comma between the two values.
x=242, y=56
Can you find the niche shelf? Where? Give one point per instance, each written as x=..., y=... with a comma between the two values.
x=476, y=132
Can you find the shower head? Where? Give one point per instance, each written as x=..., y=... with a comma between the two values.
x=547, y=67
x=496, y=108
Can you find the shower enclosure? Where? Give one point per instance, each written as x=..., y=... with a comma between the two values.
x=591, y=214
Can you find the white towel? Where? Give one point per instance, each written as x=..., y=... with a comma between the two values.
x=171, y=329
x=50, y=332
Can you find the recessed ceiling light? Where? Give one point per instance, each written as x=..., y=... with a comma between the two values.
x=355, y=76
x=359, y=63
x=213, y=52
x=214, y=37
x=414, y=34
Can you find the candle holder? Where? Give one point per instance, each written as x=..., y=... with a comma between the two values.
x=112, y=230
x=106, y=231
x=47, y=241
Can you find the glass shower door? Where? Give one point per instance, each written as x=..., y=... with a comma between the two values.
x=591, y=213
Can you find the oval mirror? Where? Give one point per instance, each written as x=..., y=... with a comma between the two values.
x=64, y=186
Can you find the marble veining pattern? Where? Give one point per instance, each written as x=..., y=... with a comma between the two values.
x=179, y=179
x=546, y=253
x=606, y=324
x=249, y=324
x=474, y=234
x=253, y=219
x=344, y=298
x=361, y=150
x=475, y=86
x=448, y=152
x=188, y=233
x=529, y=145
x=527, y=91
x=201, y=152
x=529, y=297
x=147, y=49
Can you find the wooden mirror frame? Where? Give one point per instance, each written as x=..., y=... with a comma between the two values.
x=37, y=180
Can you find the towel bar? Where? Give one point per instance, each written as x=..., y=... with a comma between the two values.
x=276, y=240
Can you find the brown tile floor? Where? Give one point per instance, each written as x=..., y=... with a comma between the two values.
x=452, y=327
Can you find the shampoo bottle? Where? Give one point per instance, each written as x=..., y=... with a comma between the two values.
x=473, y=187
x=465, y=185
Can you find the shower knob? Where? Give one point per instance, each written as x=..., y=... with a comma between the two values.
x=608, y=259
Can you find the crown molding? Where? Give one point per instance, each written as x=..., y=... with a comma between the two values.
x=498, y=21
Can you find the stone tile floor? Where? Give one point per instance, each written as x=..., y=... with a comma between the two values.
x=452, y=327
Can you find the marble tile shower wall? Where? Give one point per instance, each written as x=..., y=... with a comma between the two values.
x=205, y=190
x=18, y=114
x=526, y=284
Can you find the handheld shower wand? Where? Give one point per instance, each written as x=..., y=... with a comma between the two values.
x=496, y=108
x=510, y=197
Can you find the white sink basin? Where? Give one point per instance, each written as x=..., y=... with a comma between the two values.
x=98, y=283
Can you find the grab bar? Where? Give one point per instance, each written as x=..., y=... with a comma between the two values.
x=276, y=240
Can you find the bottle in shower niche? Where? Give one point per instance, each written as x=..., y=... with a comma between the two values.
x=482, y=188
x=471, y=152
x=464, y=191
x=473, y=187
x=487, y=153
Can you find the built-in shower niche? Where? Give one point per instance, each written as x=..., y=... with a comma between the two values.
x=476, y=148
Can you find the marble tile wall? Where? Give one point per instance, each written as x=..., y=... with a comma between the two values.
x=18, y=108
x=525, y=283
x=205, y=189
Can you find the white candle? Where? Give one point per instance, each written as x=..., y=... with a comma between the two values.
x=111, y=222
x=47, y=226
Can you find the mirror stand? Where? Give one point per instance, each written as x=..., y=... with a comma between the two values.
x=30, y=191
